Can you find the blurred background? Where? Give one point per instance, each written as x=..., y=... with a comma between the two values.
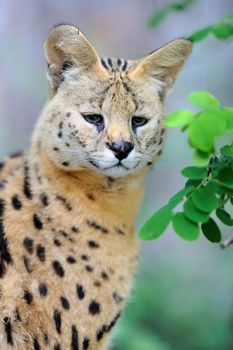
x=183, y=296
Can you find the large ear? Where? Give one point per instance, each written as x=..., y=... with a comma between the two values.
x=66, y=46
x=163, y=65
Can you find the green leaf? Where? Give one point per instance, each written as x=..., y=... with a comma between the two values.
x=194, y=173
x=193, y=214
x=201, y=158
x=179, y=118
x=185, y=228
x=225, y=177
x=211, y=231
x=204, y=100
x=228, y=112
x=224, y=217
x=200, y=34
x=157, y=224
x=204, y=198
x=222, y=30
x=227, y=150
x=204, y=129
x=179, y=196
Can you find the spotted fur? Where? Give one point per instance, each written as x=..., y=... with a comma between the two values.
x=68, y=249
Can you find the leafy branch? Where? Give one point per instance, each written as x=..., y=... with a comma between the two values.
x=208, y=189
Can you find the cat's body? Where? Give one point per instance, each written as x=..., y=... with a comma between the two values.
x=68, y=250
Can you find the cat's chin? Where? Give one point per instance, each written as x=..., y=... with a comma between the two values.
x=119, y=170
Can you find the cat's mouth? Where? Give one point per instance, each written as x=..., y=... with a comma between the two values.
x=117, y=166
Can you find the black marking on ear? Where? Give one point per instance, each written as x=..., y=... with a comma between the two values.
x=8, y=330
x=104, y=63
x=74, y=338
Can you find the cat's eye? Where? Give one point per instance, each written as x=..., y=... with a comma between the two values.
x=95, y=119
x=138, y=121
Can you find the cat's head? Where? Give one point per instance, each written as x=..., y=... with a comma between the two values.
x=106, y=115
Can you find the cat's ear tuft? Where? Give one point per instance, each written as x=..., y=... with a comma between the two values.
x=163, y=65
x=65, y=47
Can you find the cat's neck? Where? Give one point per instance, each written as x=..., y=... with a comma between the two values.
x=118, y=197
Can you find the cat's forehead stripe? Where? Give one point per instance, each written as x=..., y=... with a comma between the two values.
x=114, y=64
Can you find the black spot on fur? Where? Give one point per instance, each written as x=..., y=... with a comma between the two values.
x=94, y=308
x=104, y=276
x=90, y=196
x=74, y=338
x=89, y=268
x=43, y=290
x=36, y=344
x=86, y=343
x=57, y=242
x=57, y=347
x=37, y=222
x=65, y=163
x=65, y=303
x=97, y=284
x=96, y=226
x=125, y=66
x=84, y=257
x=5, y=256
x=100, y=333
x=28, y=297
x=28, y=245
x=159, y=153
x=16, y=203
x=56, y=149
x=57, y=321
x=40, y=252
x=63, y=200
x=8, y=330
x=58, y=268
x=80, y=291
x=107, y=328
x=74, y=229
x=71, y=260
x=68, y=114
x=44, y=199
x=92, y=244
x=27, y=264
x=27, y=182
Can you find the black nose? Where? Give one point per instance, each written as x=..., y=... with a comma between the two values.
x=121, y=149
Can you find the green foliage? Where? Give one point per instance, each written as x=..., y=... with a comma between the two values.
x=157, y=17
x=207, y=191
x=221, y=30
x=204, y=127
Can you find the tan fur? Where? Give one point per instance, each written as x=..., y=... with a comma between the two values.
x=68, y=201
